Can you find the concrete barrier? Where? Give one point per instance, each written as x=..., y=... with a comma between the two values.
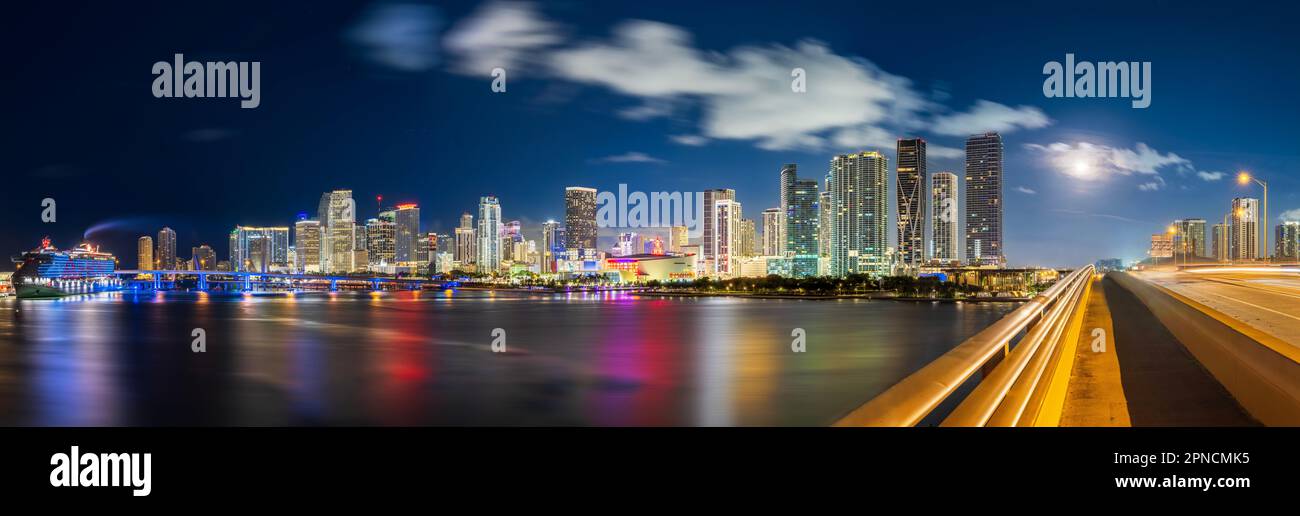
x=1264, y=382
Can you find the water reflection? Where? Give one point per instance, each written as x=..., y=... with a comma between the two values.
x=425, y=358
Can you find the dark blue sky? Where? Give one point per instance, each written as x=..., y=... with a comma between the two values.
x=411, y=118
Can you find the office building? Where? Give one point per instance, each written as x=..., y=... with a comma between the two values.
x=711, y=197
x=727, y=236
x=946, y=223
x=166, y=251
x=1245, y=229
x=406, y=244
x=1219, y=242
x=203, y=258
x=773, y=232
x=307, y=244
x=911, y=198
x=144, y=253
x=1287, y=245
x=580, y=217
x=1189, y=241
x=984, y=200
x=489, y=234
x=859, y=191
x=802, y=227
x=678, y=239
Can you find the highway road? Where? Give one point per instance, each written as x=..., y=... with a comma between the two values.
x=1266, y=301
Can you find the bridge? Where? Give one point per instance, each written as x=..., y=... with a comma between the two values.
x=1181, y=346
x=246, y=280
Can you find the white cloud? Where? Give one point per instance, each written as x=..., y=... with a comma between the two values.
x=500, y=34
x=1092, y=162
x=1026, y=190
x=1290, y=215
x=1210, y=176
x=988, y=116
x=399, y=36
x=743, y=93
x=629, y=157
x=940, y=151
x=693, y=140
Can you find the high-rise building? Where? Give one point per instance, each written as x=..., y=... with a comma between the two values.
x=1245, y=229
x=773, y=231
x=166, y=255
x=259, y=249
x=824, y=213
x=466, y=252
x=340, y=232
x=406, y=244
x=859, y=198
x=580, y=217
x=1189, y=241
x=984, y=200
x=678, y=238
x=947, y=218
x=727, y=239
x=748, y=238
x=912, y=183
x=489, y=234
x=1220, y=242
x=711, y=197
x=802, y=227
x=381, y=240
x=144, y=253
x=789, y=174
x=203, y=258
x=1287, y=235
x=552, y=245
x=307, y=244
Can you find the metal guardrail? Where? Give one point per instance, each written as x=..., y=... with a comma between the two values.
x=1004, y=395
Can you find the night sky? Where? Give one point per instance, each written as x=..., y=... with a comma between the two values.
x=394, y=99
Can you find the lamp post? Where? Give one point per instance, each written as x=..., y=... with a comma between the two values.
x=1245, y=178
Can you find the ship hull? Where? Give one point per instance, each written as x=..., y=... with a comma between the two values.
x=39, y=292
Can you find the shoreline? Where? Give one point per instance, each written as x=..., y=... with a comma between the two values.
x=883, y=296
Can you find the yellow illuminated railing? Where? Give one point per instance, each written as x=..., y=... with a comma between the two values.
x=1003, y=397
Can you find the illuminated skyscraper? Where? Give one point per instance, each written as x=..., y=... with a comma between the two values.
x=407, y=240
x=307, y=244
x=580, y=217
x=858, y=228
x=1245, y=229
x=748, y=238
x=727, y=240
x=824, y=214
x=984, y=200
x=1287, y=235
x=773, y=231
x=801, y=227
x=381, y=240
x=489, y=234
x=259, y=249
x=946, y=222
x=340, y=219
x=711, y=197
x=1219, y=242
x=144, y=253
x=166, y=256
x=911, y=190
x=552, y=245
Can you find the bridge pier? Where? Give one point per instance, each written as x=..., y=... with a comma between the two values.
x=334, y=285
x=203, y=282
x=374, y=284
x=248, y=283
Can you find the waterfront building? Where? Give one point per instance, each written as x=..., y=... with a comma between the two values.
x=711, y=197
x=489, y=231
x=307, y=242
x=859, y=191
x=580, y=217
x=166, y=253
x=911, y=200
x=1244, y=243
x=144, y=254
x=946, y=221
x=984, y=200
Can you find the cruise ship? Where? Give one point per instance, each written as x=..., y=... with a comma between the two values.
x=49, y=272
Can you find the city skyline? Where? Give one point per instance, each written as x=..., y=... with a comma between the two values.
x=1135, y=177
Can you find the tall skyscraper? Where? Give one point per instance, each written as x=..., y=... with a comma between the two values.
x=1245, y=229
x=307, y=244
x=406, y=245
x=711, y=197
x=984, y=200
x=727, y=237
x=552, y=245
x=802, y=227
x=166, y=255
x=824, y=214
x=489, y=234
x=789, y=174
x=859, y=191
x=911, y=194
x=340, y=233
x=748, y=238
x=580, y=217
x=1287, y=245
x=1190, y=239
x=381, y=240
x=946, y=221
x=144, y=253
x=773, y=231
x=678, y=238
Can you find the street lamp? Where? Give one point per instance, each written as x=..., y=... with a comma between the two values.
x=1245, y=178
